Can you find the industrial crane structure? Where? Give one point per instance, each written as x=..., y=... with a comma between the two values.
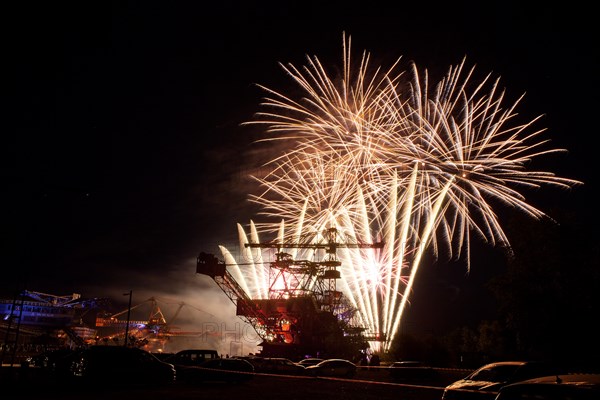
x=151, y=333
x=39, y=312
x=304, y=312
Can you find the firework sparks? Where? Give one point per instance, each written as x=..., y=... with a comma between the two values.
x=384, y=154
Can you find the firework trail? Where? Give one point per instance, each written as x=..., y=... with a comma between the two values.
x=384, y=154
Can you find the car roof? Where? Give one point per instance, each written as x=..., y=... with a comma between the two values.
x=197, y=351
x=576, y=386
x=335, y=360
x=409, y=363
x=571, y=379
x=311, y=360
x=499, y=363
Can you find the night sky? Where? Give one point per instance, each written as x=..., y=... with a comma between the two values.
x=123, y=156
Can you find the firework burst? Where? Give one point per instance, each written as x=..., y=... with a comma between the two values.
x=385, y=154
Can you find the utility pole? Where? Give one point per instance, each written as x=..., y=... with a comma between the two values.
x=128, y=316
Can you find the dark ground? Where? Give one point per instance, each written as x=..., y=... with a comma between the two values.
x=369, y=383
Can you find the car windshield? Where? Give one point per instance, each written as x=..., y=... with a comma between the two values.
x=497, y=373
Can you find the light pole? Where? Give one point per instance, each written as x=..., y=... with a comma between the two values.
x=128, y=316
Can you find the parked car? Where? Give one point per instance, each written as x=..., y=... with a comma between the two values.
x=554, y=387
x=305, y=362
x=485, y=382
x=192, y=357
x=278, y=365
x=412, y=371
x=333, y=367
x=233, y=370
x=121, y=365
